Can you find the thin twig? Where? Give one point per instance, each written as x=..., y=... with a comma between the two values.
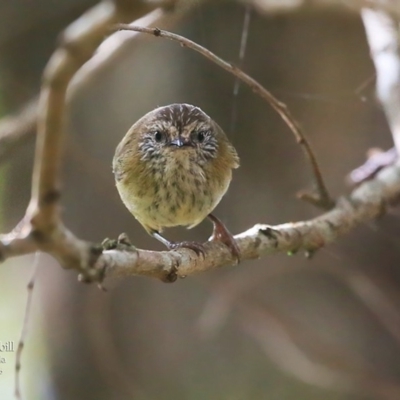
x=242, y=52
x=321, y=198
x=24, y=331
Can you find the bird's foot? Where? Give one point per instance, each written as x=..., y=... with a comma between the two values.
x=222, y=234
x=377, y=160
x=197, y=247
x=122, y=243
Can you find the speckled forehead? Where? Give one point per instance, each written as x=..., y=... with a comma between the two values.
x=180, y=117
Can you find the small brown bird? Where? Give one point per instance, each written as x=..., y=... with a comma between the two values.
x=172, y=168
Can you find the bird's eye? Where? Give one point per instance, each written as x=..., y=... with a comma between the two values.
x=199, y=136
x=158, y=136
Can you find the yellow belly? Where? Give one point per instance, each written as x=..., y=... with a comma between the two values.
x=175, y=197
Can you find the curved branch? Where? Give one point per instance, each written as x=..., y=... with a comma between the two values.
x=321, y=198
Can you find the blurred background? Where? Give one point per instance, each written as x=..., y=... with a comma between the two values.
x=277, y=328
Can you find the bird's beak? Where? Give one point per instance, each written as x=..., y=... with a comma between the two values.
x=180, y=142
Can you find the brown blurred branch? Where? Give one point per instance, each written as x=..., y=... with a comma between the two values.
x=232, y=289
x=297, y=348
x=383, y=39
x=388, y=6
x=273, y=6
x=382, y=35
x=326, y=367
x=16, y=129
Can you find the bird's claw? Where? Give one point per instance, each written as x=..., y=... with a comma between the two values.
x=122, y=243
x=197, y=247
x=222, y=234
x=377, y=159
x=230, y=242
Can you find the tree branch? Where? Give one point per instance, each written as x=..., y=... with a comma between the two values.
x=364, y=204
